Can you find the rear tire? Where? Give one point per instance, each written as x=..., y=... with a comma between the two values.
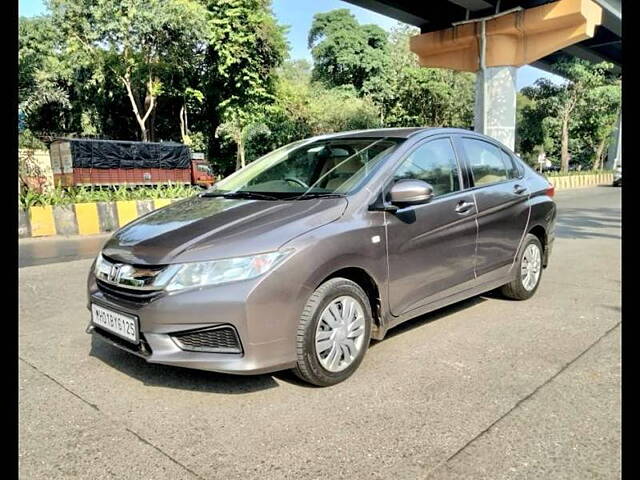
x=530, y=261
x=333, y=333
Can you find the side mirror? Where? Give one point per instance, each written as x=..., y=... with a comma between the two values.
x=410, y=192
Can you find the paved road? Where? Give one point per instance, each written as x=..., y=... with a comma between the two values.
x=486, y=389
x=40, y=251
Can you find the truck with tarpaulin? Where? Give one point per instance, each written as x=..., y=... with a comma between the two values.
x=93, y=162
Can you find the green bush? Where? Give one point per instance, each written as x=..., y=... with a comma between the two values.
x=66, y=196
x=30, y=199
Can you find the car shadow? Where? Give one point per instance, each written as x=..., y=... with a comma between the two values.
x=168, y=376
x=436, y=315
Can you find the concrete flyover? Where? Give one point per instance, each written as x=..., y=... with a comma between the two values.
x=494, y=37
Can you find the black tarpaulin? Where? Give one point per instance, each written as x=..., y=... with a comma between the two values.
x=89, y=153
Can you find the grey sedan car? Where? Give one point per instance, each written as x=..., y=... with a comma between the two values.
x=299, y=259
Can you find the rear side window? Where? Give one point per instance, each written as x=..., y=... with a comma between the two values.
x=488, y=163
x=435, y=163
x=515, y=169
x=518, y=168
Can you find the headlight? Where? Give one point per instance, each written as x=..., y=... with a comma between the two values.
x=222, y=271
x=101, y=267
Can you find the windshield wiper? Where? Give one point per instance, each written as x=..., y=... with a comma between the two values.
x=212, y=194
x=240, y=194
x=250, y=195
x=304, y=196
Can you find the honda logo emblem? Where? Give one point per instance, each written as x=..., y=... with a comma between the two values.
x=114, y=273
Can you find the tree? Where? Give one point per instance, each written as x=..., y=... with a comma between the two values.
x=433, y=97
x=43, y=77
x=244, y=50
x=571, y=120
x=240, y=126
x=151, y=69
x=303, y=108
x=190, y=96
x=537, y=124
x=339, y=109
x=419, y=96
x=595, y=121
x=316, y=109
x=345, y=52
x=289, y=117
x=135, y=39
x=582, y=77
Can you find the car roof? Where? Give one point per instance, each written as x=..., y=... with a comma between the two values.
x=401, y=132
x=408, y=132
x=378, y=132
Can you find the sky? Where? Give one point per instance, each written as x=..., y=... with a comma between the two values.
x=298, y=15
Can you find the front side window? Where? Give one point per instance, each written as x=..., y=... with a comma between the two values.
x=435, y=163
x=488, y=163
x=329, y=166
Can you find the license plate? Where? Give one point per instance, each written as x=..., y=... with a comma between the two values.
x=121, y=325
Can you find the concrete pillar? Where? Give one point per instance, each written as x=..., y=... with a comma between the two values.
x=495, y=104
x=614, y=158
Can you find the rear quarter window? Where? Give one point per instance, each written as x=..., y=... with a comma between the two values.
x=517, y=170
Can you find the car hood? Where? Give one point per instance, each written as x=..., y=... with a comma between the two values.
x=207, y=228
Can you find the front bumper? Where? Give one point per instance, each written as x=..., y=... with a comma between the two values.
x=160, y=348
x=265, y=325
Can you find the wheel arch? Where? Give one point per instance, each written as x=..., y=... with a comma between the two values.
x=541, y=234
x=363, y=279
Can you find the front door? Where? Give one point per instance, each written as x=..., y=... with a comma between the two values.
x=501, y=197
x=431, y=247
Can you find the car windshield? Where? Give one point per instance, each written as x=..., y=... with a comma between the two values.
x=334, y=166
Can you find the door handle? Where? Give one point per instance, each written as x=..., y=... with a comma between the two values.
x=464, y=207
x=519, y=189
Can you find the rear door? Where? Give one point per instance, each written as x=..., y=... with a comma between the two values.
x=431, y=246
x=501, y=197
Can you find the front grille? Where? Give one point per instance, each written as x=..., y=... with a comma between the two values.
x=129, y=294
x=217, y=339
x=134, y=283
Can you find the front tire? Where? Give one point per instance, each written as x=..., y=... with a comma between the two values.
x=529, y=271
x=333, y=333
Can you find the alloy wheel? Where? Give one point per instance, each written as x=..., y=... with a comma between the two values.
x=531, y=267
